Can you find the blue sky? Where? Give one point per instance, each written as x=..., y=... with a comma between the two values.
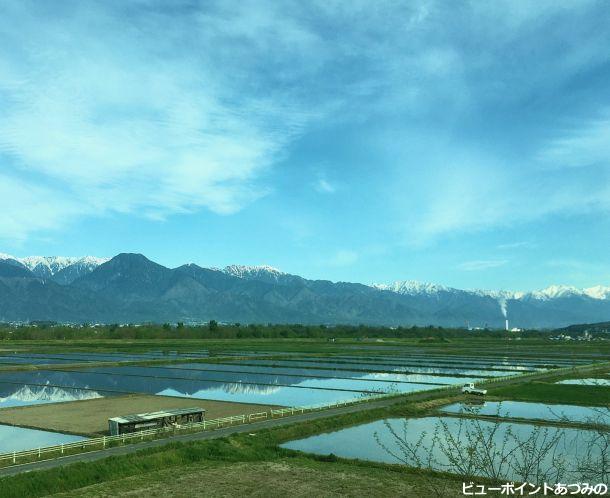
x=462, y=143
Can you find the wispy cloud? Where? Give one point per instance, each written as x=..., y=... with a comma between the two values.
x=155, y=108
x=567, y=263
x=483, y=264
x=323, y=186
x=581, y=272
x=27, y=208
x=99, y=108
x=584, y=144
x=343, y=257
x=480, y=193
x=524, y=244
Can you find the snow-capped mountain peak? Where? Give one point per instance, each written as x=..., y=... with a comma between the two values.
x=262, y=273
x=47, y=266
x=7, y=258
x=555, y=292
x=243, y=271
x=63, y=269
x=48, y=394
x=498, y=295
x=53, y=263
x=562, y=291
x=412, y=287
x=598, y=292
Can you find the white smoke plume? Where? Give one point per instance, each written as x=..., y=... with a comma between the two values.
x=502, y=303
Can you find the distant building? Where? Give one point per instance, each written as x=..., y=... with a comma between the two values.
x=154, y=420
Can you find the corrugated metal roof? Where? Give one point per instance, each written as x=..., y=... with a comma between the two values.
x=139, y=417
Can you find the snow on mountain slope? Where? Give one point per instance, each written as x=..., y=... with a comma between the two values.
x=412, y=287
x=498, y=294
x=561, y=291
x=263, y=273
x=49, y=266
x=48, y=394
x=257, y=294
x=67, y=269
x=242, y=271
x=12, y=260
x=598, y=292
x=82, y=266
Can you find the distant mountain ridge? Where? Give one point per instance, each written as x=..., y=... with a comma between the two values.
x=131, y=288
x=61, y=269
x=263, y=273
x=412, y=287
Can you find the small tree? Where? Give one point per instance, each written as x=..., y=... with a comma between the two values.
x=594, y=466
x=474, y=448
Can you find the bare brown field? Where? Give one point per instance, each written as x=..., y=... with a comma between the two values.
x=267, y=479
x=90, y=417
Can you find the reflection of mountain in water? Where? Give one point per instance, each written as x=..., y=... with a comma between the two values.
x=48, y=394
x=249, y=389
x=100, y=382
x=234, y=388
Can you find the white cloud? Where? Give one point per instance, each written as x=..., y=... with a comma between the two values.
x=158, y=108
x=27, y=208
x=585, y=144
x=464, y=191
x=523, y=244
x=323, y=186
x=343, y=258
x=127, y=113
x=483, y=264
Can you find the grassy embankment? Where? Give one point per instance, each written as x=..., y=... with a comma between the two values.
x=545, y=392
x=284, y=337
x=534, y=346
x=475, y=347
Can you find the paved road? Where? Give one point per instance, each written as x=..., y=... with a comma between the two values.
x=250, y=428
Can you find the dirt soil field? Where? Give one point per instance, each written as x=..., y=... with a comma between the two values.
x=90, y=417
x=267, y=479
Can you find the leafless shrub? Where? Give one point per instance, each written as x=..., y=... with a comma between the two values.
x=474, y=448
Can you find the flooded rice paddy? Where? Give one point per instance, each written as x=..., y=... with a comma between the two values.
x=246, y=388
x=384, y=367
x=13, y=395
x=293, y=379
x=586, y=382
x=395, y=441
x=326, y=373
x=66, y=358
x=537, y=411
x=20, y=439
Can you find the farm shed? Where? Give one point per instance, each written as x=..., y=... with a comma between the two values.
x=154, y=420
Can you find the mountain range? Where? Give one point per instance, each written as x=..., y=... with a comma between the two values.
x=131, y=288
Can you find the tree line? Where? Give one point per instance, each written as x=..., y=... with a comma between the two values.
x=215, y=330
